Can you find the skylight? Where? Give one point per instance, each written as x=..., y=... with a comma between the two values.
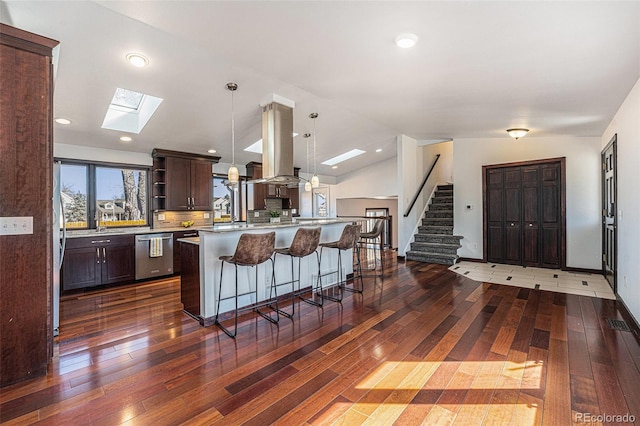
x=343, y=157
x=129, y=111
x=257, y=146
x=127, y=98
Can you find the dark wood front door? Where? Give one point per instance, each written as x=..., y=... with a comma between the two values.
x=524, y=213
x=609, y=209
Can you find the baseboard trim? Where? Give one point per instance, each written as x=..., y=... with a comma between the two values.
x=471, y=259
x=583, y=270
x=628, y=317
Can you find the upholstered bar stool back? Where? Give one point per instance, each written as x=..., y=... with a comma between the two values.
x=348, y=241
x=252, y=250
x=305, y=242
x=373, y=237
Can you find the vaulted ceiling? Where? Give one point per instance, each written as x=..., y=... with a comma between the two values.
x=557, y=68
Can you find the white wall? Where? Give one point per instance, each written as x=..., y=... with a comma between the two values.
x=76, y=152
x=377, y=180
x=410, y=171
x=626, y=124
x=582, y=185
x=443, y=172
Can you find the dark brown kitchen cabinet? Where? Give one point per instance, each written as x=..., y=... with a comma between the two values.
x=524, y=213
x=26, y=185
x=262, y=191
x=190, y=279
x=182, y=181
x=177, y=246
x=98, y=260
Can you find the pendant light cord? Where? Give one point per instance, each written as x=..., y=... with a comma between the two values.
x=314, y=144
x=233, y=132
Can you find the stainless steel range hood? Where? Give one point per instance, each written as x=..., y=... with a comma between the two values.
x=277, y=145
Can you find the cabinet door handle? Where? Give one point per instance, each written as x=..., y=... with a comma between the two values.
x=104, y=255
x=97, y=255
x=193, y=202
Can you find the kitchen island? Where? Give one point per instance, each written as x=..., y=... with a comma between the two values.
x=221, y=240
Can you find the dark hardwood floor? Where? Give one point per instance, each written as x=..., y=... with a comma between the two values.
x=424, y=346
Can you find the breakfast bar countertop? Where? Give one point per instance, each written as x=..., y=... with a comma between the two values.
x=258, y=226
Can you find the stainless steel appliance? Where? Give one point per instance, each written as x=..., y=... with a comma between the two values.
x=59, y=239
x=154, y=255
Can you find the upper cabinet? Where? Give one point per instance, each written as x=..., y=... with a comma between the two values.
x=262, y=191
x=182, y=181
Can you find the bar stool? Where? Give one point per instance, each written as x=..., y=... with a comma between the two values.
x=305, y=242
x=252, y=250
x=368, y=238
x=348, y=241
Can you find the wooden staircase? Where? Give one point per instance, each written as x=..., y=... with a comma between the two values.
x=435, y=242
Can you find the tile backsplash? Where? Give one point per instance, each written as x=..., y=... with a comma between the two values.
x=172, y=219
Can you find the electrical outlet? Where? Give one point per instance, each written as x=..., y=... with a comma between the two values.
x=161, y=216
x=256, y=214
x=16, y=225
x=207, y=215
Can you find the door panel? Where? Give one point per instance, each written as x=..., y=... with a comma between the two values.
x=201, y=185
x=524, y=213
x=609, y=213
x=178, y=175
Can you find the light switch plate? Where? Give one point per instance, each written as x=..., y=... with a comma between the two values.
x=22, y=225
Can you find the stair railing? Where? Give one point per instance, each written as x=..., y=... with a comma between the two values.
x=424, y=182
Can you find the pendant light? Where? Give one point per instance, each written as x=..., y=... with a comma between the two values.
x=233, y=174
x=315, y=182
x=307, y=184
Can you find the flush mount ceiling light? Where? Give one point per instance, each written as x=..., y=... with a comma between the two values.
x=406, y=40
x=211, y=151
x=125, y=139
x=61, y=120
x=233, y=174
x=137, y=60
x=517, y=133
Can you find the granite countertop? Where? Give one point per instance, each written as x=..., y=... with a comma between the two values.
x=246, y=227
x=79, y=233
x=190, y=240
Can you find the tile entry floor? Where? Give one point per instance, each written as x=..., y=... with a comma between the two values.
x=579, y=283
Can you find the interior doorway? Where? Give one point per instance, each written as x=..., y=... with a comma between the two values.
x=609, y=214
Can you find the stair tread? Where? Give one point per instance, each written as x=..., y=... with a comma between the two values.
x=421, y=243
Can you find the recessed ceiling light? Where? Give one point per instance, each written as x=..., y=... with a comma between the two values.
x=137, y=60
x=379, y=150
x=211, y=151
x=406, y=40
x=334, y=167
x=61, y=120
x=125, y=139
x=343, y=157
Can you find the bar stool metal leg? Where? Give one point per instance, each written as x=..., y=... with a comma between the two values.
x=314, y=289
x=273, y=287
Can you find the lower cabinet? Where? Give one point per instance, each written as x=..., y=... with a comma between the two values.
x=190, y=278
x=177, y=247
x=102, y=259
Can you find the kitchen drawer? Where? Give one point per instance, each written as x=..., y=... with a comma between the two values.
x=100, y=240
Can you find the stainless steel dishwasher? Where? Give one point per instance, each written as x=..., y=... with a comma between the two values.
x=154, y=255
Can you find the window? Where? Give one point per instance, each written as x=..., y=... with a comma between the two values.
x=222, y=200
x=104, y=195
x=73, y=194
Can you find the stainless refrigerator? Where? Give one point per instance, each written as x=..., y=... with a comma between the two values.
x=59, y=239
